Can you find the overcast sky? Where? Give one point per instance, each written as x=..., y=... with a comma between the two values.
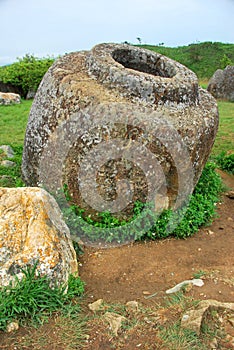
x=52, y=27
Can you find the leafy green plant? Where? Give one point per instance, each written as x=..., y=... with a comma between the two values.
x=225, y=61
x=199, y=274
x=27, y=73
x=31, y=299
x=225, y=162
x=199, y=212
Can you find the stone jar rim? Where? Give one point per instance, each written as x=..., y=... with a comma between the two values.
x=142, y=75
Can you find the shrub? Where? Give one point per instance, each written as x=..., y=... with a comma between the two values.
x=199, y=212
x=225, y=61
x=27, y=73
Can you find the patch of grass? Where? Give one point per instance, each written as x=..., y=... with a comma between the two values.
x=13, y=121
x=199, y=274
x=224, y=141
x=11, y=177
x=177, y=338
x=32, y=300
x=64, y=333
x=180, y=300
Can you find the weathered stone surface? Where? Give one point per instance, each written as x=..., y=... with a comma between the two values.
x=115, y=321
x=7, y=98
x=96, y=305
x=31, y=230
x=221, y=85
x=7, y=163
x=193, y=318
x=7, y=151
x=149, y=99
x=132, y=306
x=30, y=94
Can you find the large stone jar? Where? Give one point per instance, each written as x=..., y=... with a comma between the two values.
x=119, y=124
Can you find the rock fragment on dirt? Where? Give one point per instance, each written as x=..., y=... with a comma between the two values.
x=230, y=194
x=115, y=321
x=32, y=231
x=195, y=282
x=132, y=306
x=12, y=326
x=193, y=318
x=96, y=305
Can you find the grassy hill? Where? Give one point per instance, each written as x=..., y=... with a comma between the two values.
x=202, y=58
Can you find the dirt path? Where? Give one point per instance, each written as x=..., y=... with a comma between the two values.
x=124, y=273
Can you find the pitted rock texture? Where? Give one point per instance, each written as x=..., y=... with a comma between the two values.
x=8, y=98
x=138, y=91
x=32, y=230
x=221, y=85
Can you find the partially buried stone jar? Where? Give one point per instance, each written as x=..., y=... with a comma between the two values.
x=116, y=125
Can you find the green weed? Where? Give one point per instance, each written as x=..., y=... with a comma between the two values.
x=225, y=162
x=177, y=338
x=32, y=300
x=200, y=211
x=199, y=274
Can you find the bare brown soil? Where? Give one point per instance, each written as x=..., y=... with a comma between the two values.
x=136, y=271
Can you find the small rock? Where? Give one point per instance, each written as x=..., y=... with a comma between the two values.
x=8, y=151
x=210, y=232
x=146, y=292
x=7, y=163
x=96, y=305
x=214, y=344
x=8, y=98
x=6, y=180
x=193, y=318
x=231, y=321
x=230, y=194
x=115, y=321
x=185, y=317
x=132, y=306
x=188, y=287
x=196, y=282
x=13, y=326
